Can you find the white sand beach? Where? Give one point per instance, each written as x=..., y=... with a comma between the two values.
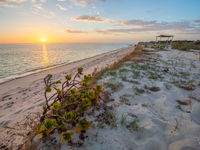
x=152, y=103
x=21, y=99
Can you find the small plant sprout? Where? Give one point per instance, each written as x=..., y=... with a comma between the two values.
x=176, y=126
x=83, y=125
x=123, y=120
x=67, y=136
x=133, y=125
x=65, y=106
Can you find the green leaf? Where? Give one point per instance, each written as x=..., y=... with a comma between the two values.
x=84, y=84
x=58, y=82
x=80, y=70
x=49, y=123
x=98, y=88
x=48, y=89
x=84, y=123
x=68, y=77
x=44, y=107
x=50, y=76
x=68, y=116
x=59, y=122
x=56, y=106
x=59, y=91
x=66, y=136
x=73, y=91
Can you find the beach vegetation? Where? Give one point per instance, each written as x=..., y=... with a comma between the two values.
x=66, y=106
x=123, y=77
x=101, y=125
x=123, y=120
x=114, y=86
x=186, y=45
x=180, y=108
x=109, y=118
x=133, y=125
x=138, y=91
x=112, y=73
x=145, y=105
x=177, y=125
x=186, y=85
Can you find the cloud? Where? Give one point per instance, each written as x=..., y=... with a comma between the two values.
x=88, y=18
x=98, y=18
x=146, y=26
x=61, y=7
x=10, y=3
x=75, y=31
x=138, y=25
x=85, y=3
x=38, y=6
x=42, y=1
x=135, y=22
x=82, y=3
x=197, y=21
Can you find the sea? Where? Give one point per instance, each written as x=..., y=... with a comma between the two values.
x=18, y=60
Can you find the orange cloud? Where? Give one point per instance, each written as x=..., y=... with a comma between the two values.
x=75, y=31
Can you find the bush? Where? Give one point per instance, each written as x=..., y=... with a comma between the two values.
x=65, y=107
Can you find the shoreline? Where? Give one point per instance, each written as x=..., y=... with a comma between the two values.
x=21, y=75
x=21, y=99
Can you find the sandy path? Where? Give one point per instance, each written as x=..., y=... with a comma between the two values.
x=21, y=99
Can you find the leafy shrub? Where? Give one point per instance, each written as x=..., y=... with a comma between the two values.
x=65, y=109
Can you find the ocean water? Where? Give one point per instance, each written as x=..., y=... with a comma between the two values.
x=21, y=59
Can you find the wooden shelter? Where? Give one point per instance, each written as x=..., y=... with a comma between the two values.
x=167, y=39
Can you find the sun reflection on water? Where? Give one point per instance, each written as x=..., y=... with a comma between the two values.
x=45, y=55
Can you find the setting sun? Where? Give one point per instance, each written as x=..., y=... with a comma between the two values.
x=43, y=40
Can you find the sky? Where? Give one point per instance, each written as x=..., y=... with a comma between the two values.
x=77, y=21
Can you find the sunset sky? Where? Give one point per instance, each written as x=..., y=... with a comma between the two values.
x=27, y=21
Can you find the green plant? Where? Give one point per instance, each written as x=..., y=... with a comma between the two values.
x=101, y=125
x=134, y=125
x=112, y=73
x=176, y=126
x=180, y=108
x=114, y=86
x=123, y=120
x=145, y=105
x=112, y=118
x=138, y=91
x=123, y=77
x=108, y=117
x=65, y=107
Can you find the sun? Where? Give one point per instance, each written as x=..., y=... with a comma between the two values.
x=43, y=40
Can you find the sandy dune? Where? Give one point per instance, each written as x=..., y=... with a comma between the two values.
x=21, y=99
